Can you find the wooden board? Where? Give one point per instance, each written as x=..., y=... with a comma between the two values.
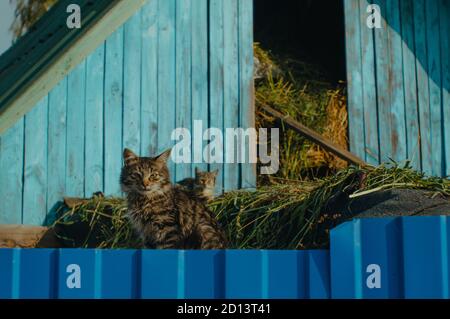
x=164, y=68
x=408, y=85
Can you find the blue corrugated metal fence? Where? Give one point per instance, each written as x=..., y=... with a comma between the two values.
x=403, y=257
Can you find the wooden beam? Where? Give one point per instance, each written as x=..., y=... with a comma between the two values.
x=315, y=137
x=34, y=87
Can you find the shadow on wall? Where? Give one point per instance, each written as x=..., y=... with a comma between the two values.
x=423, y=26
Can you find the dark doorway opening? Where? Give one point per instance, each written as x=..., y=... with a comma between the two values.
x=311, y=31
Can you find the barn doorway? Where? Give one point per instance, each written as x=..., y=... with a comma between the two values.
x=300, y=70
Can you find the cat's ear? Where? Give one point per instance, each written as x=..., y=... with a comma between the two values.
x=163, y=157
x=129, y=157
x=215, y=172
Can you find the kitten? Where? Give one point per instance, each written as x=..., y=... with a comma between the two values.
x=202, y=185
x=165, y=215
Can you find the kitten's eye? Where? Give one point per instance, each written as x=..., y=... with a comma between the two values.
x=153, y=175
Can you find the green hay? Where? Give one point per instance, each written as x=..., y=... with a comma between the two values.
x=293, y=215
x=299, y=90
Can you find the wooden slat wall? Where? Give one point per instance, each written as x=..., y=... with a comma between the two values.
x=173, y=62
x=398, y=83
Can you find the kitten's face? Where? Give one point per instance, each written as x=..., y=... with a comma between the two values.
x=206, y=180
x=144, y=175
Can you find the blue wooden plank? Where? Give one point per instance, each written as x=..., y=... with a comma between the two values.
x=434, y=85
x=160, y=273
x=287, y=274
x=37, y=269
x=444, y=11
x=75, y=131
x=132, y=84
x=410, y=88
x=94, y=122
x=77, y=274
x=246, y=86
x=199, y=79
x=423, y=98
x=354, y=77
x=35, y=175
x=369, y=95
x=9, y=259
x=345, y=257
x=319, y=274
x=166, y=77
x=383, y=92
x=11, y=172
x=56, y=162
x=113, y=111
x=230, y=93
x=425, y=257
x=246, y=274
x=120, y=271
x=183, y=119
x=204, y=274
x=149, y=92
x=216, y=82
x=395, y=78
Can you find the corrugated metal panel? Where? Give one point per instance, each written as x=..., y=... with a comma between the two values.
x=90, y=273
x=399, y=82
x=151, y=75
x=402, y=257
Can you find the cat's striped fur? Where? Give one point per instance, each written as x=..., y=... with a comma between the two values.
x=165, y=215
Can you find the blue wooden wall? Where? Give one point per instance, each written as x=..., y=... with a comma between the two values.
x=173, y=62
x=399, y=82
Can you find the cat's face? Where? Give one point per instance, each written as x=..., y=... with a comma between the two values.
x=205, y=179
x=144, y=175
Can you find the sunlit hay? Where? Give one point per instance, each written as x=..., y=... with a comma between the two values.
x=298, y=89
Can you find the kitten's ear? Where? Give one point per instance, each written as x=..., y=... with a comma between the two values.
x=215, y=172
x=129, y=157
x=163, y=157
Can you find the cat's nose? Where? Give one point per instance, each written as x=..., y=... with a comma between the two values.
x=146, y=182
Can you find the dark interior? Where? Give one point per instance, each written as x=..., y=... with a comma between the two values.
x=311, y=31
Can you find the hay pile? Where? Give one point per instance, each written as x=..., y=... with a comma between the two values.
x=300, y=90
x=295, y=215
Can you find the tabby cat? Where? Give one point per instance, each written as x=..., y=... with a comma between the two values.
x=202, y=185
x=166, y=215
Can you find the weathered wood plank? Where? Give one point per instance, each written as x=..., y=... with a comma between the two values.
x=113, y=111
x=315, y=137
x=423, y=98
x=354, y=77
x=434, y=85
x=369, y=95
x=216, y=74
x=57, y=123
x=231, y=92
x=11, y=172
x=35, y=175
x=70, y=57
x=395, y=85
x=149, y=103
x=199, y=56
x=184, y=9
x=382, y=75
x=246, y=85
x=410, y=88
x=75, y=131
x=132, y=84
x=444, y=11
x=166, y=77
x=94, y=122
